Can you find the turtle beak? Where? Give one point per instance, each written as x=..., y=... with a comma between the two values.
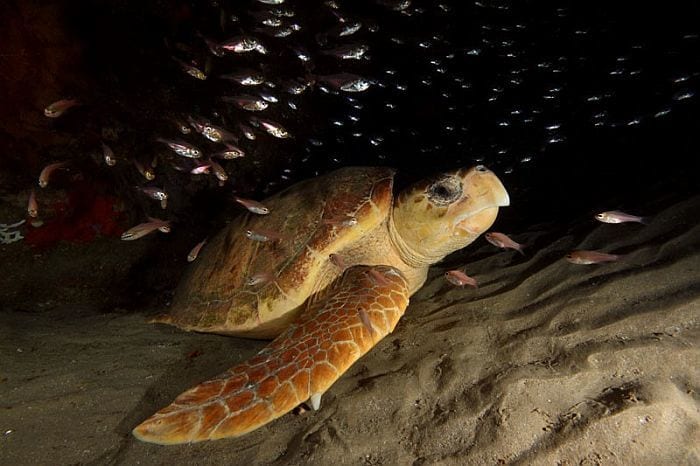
x=500, y=194
x=489, y=188
x=485, y=194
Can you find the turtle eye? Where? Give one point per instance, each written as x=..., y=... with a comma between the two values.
x=445, y=191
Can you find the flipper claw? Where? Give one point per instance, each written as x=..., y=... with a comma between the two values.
x=315, y=401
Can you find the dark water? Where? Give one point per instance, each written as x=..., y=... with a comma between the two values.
x=577, y=105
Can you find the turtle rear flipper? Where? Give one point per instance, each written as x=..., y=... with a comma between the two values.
x=345, y=321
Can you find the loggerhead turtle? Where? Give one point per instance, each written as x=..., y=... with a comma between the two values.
x=325, y=313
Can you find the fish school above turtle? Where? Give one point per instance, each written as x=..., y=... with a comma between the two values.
x=322, y=317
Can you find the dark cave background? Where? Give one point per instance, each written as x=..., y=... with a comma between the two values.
x=578, y=107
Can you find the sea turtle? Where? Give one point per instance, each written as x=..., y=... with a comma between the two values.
x=328, y=272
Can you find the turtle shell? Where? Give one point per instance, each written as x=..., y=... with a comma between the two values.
x=243, y=286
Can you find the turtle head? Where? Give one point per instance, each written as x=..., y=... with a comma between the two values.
x=440, y=215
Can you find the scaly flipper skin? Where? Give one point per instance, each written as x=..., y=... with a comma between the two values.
x=335, y=329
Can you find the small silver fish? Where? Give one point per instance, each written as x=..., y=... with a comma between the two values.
x=459, y=278
x=346, y=28
x=283, y=12
x=231, y=152
x=57, y=109
x=182, y=148
x=584, y=257
x=32, y=206
x=346, y=82
x=348, y=51
x=47, y=171
x=260, y=278
x=283, y=31
x=262, y=235
x=274, y=129
x=295, y=86
x=200, y=169
x=219, y=171
x=268, y=97
x=253, y=206
x=247, y=131
x=146, y=172
x=191, y=70
x=245, y=77
x=145, y=228
x=156, y=194
x=108, y=155
x=242, y=44
x=181, y=126
x=615, y=216
x=216, y=134
x=196, y=122
x=301, y=53
x=195, y=251
x=247, y=102
x=271, y=21
x=213, y=47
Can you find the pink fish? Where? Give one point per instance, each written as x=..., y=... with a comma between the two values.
x=32, y=206
x=145, y=228
x=247, y=102
x=199, y=169
x=615, y=216
x=253, y=206
x=242, y=44
x=245, y=77
x=195, y=251
x=503, y=241
x=337, y=260
x=347, y=82
x=212, y=46
x=459, y=278
x=181, y=126
x=156, y=194
x=231, y=152
x=260, y=278
x=263, y=235
x=216, y=134
x=247, y=131
x=219, y=171
x=340, y=221
x=47, y=171
x=191, y=70
x=56, y=109
x=146, y=172
x=271, y=127
x=364, y=318
x=197, y=123
x=591, y=257
x=182, y=148
x=108, y=155
x=378, y=277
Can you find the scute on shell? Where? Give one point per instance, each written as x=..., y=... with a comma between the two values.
x=214, y=296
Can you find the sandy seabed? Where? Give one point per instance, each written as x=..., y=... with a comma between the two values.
x=545, y=363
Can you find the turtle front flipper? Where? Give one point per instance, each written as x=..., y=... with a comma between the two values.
x=335, y=329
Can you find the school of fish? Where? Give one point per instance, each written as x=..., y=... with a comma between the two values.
x=267, y=64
